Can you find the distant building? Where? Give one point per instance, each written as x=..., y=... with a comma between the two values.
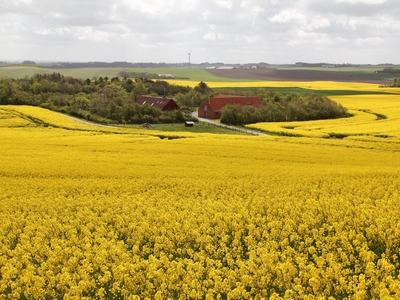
x=226, y=68
x=166, y=75
x=212, y=107
x=162, y=103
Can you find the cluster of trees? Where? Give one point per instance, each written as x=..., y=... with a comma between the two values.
x=130, y=74
x=391, y=70
x=113, y=100
x=146, y=75
x=278, y=108
x=396, y=82
x=100, y=99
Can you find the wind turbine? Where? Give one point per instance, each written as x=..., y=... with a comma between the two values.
x=189, y=53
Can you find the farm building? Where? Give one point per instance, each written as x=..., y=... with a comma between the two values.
x=189, y=123
x=162, y=103
x=226, y=68
x=166, y=75
x=212, y=107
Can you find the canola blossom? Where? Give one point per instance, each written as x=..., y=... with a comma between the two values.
x=311, y=85
x=374, y=117
x=109, y=213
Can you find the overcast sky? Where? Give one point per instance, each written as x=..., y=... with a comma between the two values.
x=228, y=31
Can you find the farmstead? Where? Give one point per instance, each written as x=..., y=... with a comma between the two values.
x=211, y=108
x=162, y=103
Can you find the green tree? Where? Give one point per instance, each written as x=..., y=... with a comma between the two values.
x=202, y=88
x=80, y=101
x=139, y=89
x=231, y=114
x=9, y=91
x=36, y=88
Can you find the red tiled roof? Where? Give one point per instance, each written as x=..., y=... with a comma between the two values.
x=157, y=102
x=218, y=102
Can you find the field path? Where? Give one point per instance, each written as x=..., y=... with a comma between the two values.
x=87, y=122
x=240, y=129
x=195, y=114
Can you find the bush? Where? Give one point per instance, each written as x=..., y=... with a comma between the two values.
x=292, y=107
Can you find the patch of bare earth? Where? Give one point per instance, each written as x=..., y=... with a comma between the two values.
x=290, y=75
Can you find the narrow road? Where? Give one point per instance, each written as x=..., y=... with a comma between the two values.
x=86, y=122
x=244, y=130
x=194, y=114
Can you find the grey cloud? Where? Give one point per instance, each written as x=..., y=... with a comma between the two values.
x=357, y=9
x=232, y=31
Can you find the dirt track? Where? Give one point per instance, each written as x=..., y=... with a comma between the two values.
x=290, y=75
x=236, y=128
x=86, y=122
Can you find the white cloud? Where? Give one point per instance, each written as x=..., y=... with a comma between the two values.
x=319, y=22
x=369, y=41
x=362, y=1
x=252, y=8
x=126, y=29
x=252, y=39
x=17, y=2
x=288, y=16
x=224, y=3
x=50, y=31
x=205, y=15
x=210, y=36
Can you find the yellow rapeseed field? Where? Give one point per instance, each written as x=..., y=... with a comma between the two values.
x=110, y=213
x=311, y=85
x=375, y=117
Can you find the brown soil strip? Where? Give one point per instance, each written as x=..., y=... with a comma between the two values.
x=290, y=75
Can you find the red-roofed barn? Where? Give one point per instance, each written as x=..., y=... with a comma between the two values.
x=162, y=103
x=212, y=107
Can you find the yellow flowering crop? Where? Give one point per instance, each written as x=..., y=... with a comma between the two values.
x=311, y=85
x=374, y=117
x=90, y=212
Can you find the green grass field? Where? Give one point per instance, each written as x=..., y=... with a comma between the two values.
x=194, y=74
x=199, y=127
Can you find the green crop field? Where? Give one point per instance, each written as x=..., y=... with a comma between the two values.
x=194, y=74
x=199, y=127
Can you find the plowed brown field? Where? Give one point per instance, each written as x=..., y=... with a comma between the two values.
x=291, y=75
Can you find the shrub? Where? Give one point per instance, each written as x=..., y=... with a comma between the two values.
x=292, y=107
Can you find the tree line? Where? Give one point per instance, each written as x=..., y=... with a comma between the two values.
x=101, y=99
x=114, y=100
x=391, y=70
x=146, y=75
x=279, y=108
x=396, y=82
